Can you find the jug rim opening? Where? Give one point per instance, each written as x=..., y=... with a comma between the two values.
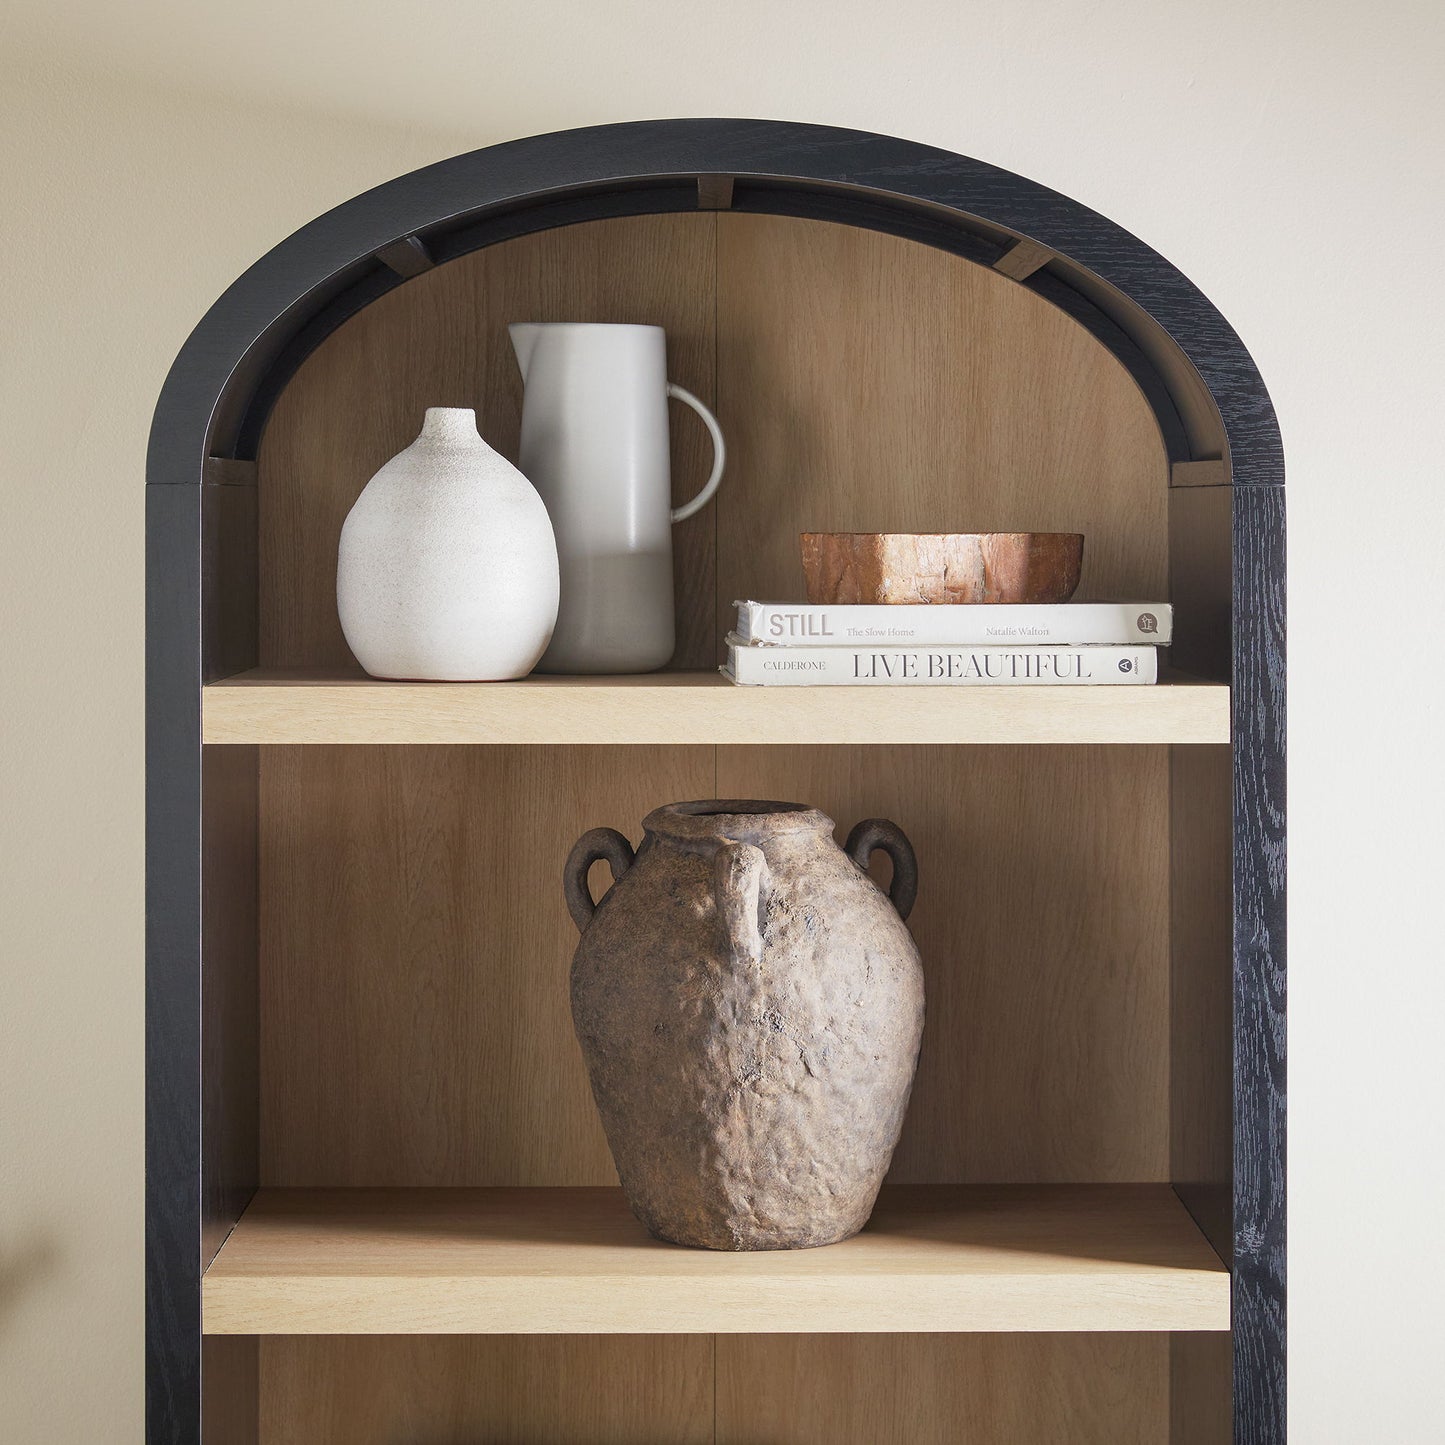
x=742, y=818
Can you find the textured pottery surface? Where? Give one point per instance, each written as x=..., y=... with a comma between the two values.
x=749, y=1005
x=595, y=445
x=447, y=567
x=882, y=567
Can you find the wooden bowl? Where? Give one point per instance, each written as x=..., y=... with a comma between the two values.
x=846, y=567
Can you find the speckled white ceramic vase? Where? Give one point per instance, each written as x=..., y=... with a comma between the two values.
x=447, y=568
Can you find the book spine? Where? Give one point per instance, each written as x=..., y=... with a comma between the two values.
x=1070, y=624
x=1096, y=666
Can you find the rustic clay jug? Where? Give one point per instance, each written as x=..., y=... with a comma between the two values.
x=749, y=1004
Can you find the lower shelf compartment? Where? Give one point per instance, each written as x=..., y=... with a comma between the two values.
x=935, y=1258
x=830, y=1389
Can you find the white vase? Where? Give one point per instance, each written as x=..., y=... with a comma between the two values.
x=447, y=568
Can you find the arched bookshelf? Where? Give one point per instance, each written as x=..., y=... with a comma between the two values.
x=378, y=1196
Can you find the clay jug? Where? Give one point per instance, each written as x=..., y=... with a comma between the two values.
x=749, y=1005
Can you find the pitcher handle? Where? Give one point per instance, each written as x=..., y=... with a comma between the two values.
x=719, y=454
x=874, y=833
x=593, y=845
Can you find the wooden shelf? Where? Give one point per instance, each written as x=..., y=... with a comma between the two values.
x=575, y=1261
x=699, y=707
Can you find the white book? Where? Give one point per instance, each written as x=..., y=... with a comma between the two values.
x=994, y=623
x=904, y=666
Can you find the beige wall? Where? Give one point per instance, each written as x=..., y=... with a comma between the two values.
x=125, y=211
x=1286, y=156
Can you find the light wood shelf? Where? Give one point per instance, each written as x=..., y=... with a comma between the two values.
x=699, y=707
x=960, y=1258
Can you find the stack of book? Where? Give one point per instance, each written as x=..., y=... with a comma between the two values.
x=794, y=644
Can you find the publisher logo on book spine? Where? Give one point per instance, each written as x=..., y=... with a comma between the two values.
x=1126, y=664
x=1147, y=622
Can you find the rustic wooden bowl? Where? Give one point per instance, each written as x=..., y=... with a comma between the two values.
x=890, y=567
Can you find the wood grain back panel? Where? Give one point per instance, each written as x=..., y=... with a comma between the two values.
x=1201, y=988
x=1034, y=1389
x=1037, y=1389
x=230, y=1399
x=441, y=340
x=1042, y=919
x=863, y=383
x=230, y=1087
x=1201, y=544
x=1200, y=1395
x=415, y=1027
x=481, y=1389
x=870, y=383
x=415, y=1021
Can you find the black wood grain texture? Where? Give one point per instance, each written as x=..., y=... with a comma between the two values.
x=960, y=235
x=1259, y=966
x=947, y=231
x=651, y=166
x=173, y=959
x=219, y=392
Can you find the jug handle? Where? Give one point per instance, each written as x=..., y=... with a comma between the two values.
x=740, y=885
x=719, y=454
x=874, y=833
x=594, y=844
